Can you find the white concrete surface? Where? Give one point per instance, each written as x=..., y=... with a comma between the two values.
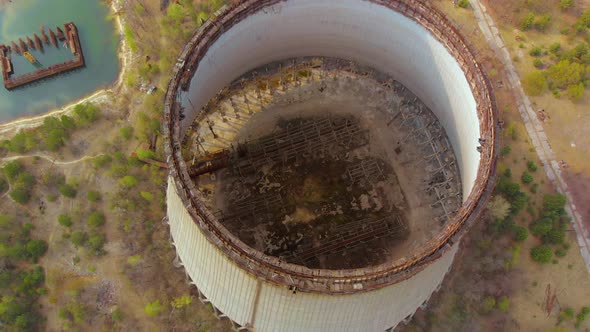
x=350, y=29
x=267, y=307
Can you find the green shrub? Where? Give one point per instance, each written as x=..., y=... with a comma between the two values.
x=504, y=304
x=542, y=254
x=78, y=238
x=536, y=51
x=128, y=182
x=555, y=48
x=542, y=22
x=101, y=161
x=67, y=190
x=565, y=73
x=153, y=309
x=126, y=132
x=520, y=233
x=527, y=22
x=535, y=83
x=566, y=4
x=531, y=166
x=535, y=188
x=64, y=220
x=576, y=91
x=505, y=151
x=566, y=314
x=93, y=196
x=527, y=178
x=96, y=219
x=463, y=3
x=36, y=249
x=538, y=63
x=20, y=195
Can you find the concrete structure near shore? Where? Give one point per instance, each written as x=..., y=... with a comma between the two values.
x=72, y=39
x=325, y=159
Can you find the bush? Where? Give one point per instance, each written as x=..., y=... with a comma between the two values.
x=565, y=73
x=36, y=249
x=3, y=184
x=126, y=132
x=555, y=48
x=67, y=190
x=147, y=196
x=531, y=166
x=64, y=220
x=96, y=219
x=505, y=151
x=128, y=182
x=538, y=63
x=20, y=195
x=566, y=4
x=576, y=91
x=535, y=83
x=463, y=3
x=542, y=22
x=101, y=161
x=542, y=254
x=520, y=233
x=95, y=243
x=527, y=22
x=499, y=207
x=504, y=304
x=536, y=51
x=527, y=178
x=78, y=238
x=93, y=196
x=153, y=309
x=489, y=303
x=12, y=169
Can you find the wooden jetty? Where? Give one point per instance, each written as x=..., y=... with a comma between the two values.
x=15, y=48
x=53, y=38
x=60, y=34
x=11, y=81
x=22, y=45
x=44, y=36
x=30, y=43
x=38, y=43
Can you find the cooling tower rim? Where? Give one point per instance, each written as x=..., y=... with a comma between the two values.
x=349, y=281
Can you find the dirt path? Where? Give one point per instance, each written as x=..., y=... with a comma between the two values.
x=533, y=126
x=48, y=158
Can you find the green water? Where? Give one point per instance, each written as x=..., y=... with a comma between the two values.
x=22, y=18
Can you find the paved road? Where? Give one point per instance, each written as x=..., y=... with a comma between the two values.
x=533, y=125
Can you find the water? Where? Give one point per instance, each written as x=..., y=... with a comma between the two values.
x=22, y=18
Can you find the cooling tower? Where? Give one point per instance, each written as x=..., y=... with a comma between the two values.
x=325, y=159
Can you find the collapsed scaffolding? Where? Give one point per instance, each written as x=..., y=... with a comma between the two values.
x=210, y=141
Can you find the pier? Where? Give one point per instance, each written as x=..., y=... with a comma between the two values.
x=72, y=39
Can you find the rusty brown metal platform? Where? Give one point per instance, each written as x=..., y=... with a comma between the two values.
x=12, y=81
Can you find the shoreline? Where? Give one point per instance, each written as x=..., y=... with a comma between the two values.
x=98, y=96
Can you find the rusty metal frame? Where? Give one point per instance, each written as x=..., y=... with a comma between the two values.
x=279, y=272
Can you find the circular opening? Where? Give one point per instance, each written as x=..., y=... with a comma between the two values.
x=267, y=71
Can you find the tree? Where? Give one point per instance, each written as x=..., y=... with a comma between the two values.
x=36, y=249
x=128, y=182
x=96, y=219
x=126, y=132
x=527, y=21
x=96, y=242
x=12, y=169
x=93, y=196
x=576, y=91
x=499, y=207
x=504, y=304
x=78, y=238
x=526, y=177
x=67, y=190
x=542, y=254
x=566, y=4
x=181, y=302
x=520, y=234
x=64, y=220
x=153, y=309
x=542, y=22
x=535, y=83
x=20, y=195
x=565, y=73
